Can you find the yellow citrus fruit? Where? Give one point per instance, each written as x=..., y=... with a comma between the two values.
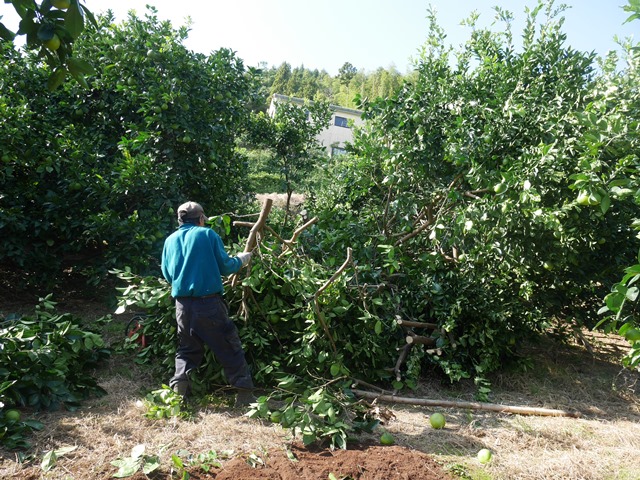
x=437, y=420
x=53, y=43
x=484, y=455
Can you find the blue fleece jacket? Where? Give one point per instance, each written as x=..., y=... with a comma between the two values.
x=194, y=260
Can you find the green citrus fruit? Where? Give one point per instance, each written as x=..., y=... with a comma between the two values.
x=276, y=416
x=61, y=4
x=633, y=334
x=484, y=455
x=53, y=43
x=437, y=420
x=587, y=199
x=387, y=439
x=12, y=415
x=500, y=188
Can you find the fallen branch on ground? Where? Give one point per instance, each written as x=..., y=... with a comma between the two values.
x=493, y=407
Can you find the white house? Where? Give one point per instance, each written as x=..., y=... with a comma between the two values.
x=339, y=131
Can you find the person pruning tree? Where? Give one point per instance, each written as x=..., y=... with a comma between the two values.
x=193, y=262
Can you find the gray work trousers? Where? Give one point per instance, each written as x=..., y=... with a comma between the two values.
x=205, y=321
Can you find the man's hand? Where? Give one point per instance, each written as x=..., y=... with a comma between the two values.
x=244, y=257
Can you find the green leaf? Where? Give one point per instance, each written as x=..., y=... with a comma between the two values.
x=151, y=464
x=77, y=65
x=290, y=455
x=137, y=451
x=34, y=424
x=56, y=78
x=6, y=34
x=74, y=20
x=49, y=461
x=127, y=467
x=378, y=327
x=177, y=461
x=632, y=294
x=309, y=438
x=614, y=301
x=80, y=79
x=46, y=32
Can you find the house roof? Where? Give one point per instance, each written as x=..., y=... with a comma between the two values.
x=301, y=101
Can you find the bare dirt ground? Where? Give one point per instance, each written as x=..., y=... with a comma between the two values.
x=602, y=444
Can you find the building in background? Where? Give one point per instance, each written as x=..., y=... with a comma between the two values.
x=339, y=132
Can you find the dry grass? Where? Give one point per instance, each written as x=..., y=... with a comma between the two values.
x=280, y=199
x=603, y=444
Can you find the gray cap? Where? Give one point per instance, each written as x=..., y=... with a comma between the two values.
x=190, y=211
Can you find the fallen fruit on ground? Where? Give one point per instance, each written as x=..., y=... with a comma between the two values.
x=484, y=455
x=437, y=420
x=12, y=415
x=387, y=439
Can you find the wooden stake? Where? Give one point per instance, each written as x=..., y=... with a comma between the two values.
x=493, y=407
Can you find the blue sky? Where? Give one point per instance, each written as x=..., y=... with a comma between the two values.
x=324, y=34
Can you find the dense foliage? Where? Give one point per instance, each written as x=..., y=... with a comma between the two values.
x=612, y=140
x=47, y=363
x=465, y=187
x=90, y=177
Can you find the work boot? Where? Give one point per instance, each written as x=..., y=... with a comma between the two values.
x=245, y=397
x=183, y=389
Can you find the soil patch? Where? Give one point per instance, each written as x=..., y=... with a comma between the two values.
x=361, y=463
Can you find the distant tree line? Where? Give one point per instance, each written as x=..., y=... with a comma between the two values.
x=342, y=89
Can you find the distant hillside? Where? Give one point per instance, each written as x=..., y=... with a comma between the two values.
x=339, y=90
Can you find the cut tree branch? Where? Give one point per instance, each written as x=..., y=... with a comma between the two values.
x=296, y=234
x=316, y=304
x=493, y=407
x=253, y=234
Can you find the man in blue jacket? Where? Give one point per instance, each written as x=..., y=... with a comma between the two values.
x=193, y=261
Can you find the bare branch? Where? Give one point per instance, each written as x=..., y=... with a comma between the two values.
x=467, y=405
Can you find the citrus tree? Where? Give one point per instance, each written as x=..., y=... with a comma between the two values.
x=90, y=176
x=609, y=176
x=51, y=28
x=290, y=135
x=461, y=198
